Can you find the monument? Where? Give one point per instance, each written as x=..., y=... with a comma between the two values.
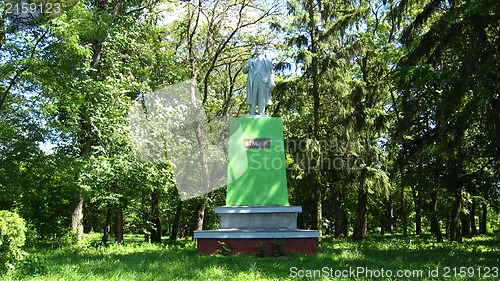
x=257, y=218
x=260, y=81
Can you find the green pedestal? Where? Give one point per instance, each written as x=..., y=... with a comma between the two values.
x=257, y=167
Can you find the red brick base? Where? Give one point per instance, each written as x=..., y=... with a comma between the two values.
x=257, y=246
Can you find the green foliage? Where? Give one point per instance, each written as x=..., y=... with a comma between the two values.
x=224, y=249
x=261, y=249
x=12, y=239
x=277, y=243
x=445, y=102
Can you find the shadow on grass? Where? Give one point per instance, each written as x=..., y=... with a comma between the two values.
x=180, y=261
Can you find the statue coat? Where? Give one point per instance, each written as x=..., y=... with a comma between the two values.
x=266, y=71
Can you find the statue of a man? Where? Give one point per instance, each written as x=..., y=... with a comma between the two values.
x=260, y=81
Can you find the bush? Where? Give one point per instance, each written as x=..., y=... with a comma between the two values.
x=12, y=238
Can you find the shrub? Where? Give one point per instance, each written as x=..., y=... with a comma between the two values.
x=12, y=238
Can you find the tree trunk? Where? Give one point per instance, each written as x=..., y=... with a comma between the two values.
x=119, y=224
x=200, y=129
x=337, y=201
x=107, y=227
x=403, y=212
x=391, y=216
x=482, y=221
x=418, y=211
x=435, y=228
x=447, y=226
x=418, y=221
x=156, y=231
x=314, y=75
x=384, y=217
x=465, y=223
x=387, y=217
x=201, y=214
x=455, y=231
x=145, y=219
x=175, y=224
x=360, y=221
x=365, y=229
x=472, y=217
x=77, y=217
x=319, y=212
x=345, y=223
x=2, y=38
x=202, y=138
x=85, y=141
x=155, y=217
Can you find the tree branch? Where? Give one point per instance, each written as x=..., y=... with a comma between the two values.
x=221, y=48
x=19, y=72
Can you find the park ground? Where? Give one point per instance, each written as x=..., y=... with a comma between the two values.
x=375, y=258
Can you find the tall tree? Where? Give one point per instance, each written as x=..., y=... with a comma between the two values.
x=91, y=76
x=345, y=69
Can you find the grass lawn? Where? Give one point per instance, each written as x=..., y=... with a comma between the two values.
x=414, y=257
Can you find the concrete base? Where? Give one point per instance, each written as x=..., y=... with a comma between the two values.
x=258, y=217
x=266, y=230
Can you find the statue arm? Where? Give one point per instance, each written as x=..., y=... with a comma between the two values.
x=271, y=74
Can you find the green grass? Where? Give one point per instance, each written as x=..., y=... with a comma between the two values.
x=180, y=261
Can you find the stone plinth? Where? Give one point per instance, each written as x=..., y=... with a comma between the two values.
x=256, y=168
x=258, y=217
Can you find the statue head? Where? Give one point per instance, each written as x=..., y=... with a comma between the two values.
x=259, y=50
